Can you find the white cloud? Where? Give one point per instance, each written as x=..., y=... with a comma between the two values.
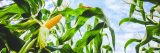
x=132, y=27
x=5, y=2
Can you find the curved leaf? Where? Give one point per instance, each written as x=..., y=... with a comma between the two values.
x=10, y=38
x=98, y=43
x=108, y=48
x=134, y=20
x=152, y=10
x=88, y=13
x=66, y=49
x=27, y=47
x=113, y=37
x=70, y=32
x=132, y=8
x=59, y=2
x=88, y=36
x=144, y=41
x=10, y=11
x=24, y=5
x=142, y=10
x=150, y=49
x=153, y=1
x=129, y=42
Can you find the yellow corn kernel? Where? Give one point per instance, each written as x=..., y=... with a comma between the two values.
x=53, y=21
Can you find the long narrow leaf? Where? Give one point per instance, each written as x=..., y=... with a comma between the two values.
x=132, y=8
x=108, y=48
x=88, y=36
x=129, y=42
x=134, y=20
x=98, y=43
x=59, y=2
x=113, y=37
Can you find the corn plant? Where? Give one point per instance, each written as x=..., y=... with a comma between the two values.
x=150, y=23
x=26, y=26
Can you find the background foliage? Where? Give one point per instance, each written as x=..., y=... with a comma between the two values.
x=150, y=23
x=22, y=31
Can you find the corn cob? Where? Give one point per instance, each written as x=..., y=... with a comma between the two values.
x=53, y=21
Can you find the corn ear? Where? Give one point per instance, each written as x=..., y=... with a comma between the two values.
x=53, y=21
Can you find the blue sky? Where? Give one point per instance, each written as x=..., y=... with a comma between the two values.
x=115, y=10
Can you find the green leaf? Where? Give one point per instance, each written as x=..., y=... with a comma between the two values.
x=39, y=16
x=129, y=42
x=155, y=48
x=45, y=14
x=108, y=48
x=5, y=18
x=145, y=40
x=27, y=46
x=96, y=21
x=132, y=8
x=71, y=14
x=52, y=48
x=33, y=6
x=4, y=50
x=10, y=39
x=102, y=17
x=153, y=1
x=70, y=32
x=91, y=49
x=153, y=30
x=62, y=28
x=66, y=49
x=88, y=36
x=87, y=49
x=89, y=27
x=97, y=39
x=142, y=10
x=41, y=3
x=152, y=10
x=137, y=48
x=98, y=43
x=26, y=25
x=113, y=36
x=150, y=49
x=88, y=13
x=12, y=9
x=9, y=11
x=59, y=2
x=45, y=11
x=135, y=21
x=100, y=26
x=24, y=5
